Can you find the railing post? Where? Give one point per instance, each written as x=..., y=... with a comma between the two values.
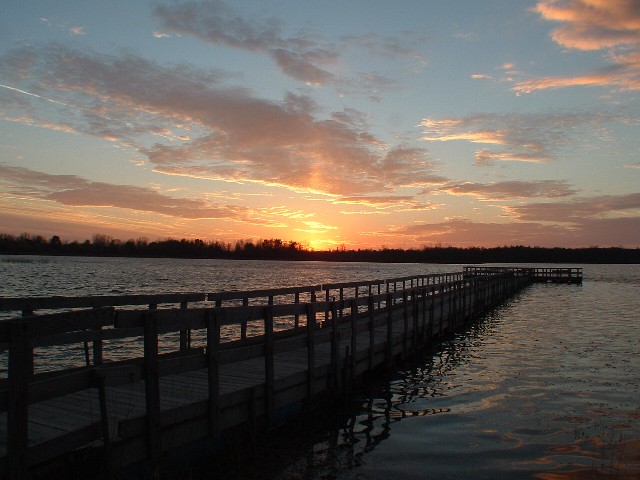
x=372, y=329
x=269, y=394
x=243, y=324
x=389, y=345
x=152, y=386
x=424, y=315
x=213, y=368
x=354, y=316
x=102, y=392
x=311, y=355
x=415, y=298
x=185, y=340
x=335, y=347
x=432, y=312
x=405, y=318
x=19, y=375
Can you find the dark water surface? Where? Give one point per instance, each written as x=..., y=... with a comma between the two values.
x=547, y=386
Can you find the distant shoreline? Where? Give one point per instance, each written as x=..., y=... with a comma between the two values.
x=275, y=249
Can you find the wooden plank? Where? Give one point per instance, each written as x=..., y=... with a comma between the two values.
x=354, y=284
x=56, y=323
x=63, y=444
x=97, y=301
x=168, y=319
x=262, y=293
x=59, y=384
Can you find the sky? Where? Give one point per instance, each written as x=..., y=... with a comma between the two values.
x=357, y=124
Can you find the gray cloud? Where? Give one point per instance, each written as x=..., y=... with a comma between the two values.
x=211, y=130
x=304, y=57
x=507, y=190
x=533, y=138
x=576, y=210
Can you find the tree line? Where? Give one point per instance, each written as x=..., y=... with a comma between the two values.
x=277, y=249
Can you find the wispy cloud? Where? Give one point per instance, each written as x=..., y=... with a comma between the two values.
x=534, y=138
x=383, y=203
x=305, y=57
x=578, y=209
x=76, y=30
x=74, y=191
x=509, y=190
x=612, y=26
x=211, y=130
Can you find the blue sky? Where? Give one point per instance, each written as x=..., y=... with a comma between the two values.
x=361, y=123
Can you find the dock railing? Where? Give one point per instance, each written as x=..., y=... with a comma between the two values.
x=537, y=274
x=83, y=349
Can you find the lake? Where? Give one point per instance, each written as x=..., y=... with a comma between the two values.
x=547, y=386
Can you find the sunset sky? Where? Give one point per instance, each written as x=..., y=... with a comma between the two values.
x=363, y=124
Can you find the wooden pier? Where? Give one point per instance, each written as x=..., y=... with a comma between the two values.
x=126, y=379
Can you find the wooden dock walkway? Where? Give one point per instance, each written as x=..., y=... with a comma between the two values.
x=128, y=378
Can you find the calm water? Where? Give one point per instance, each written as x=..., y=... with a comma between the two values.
x=547, y=386
x=43, y=276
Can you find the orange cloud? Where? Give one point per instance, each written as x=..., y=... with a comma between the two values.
x=74, y=191
x=610, y=25
x=593, y=24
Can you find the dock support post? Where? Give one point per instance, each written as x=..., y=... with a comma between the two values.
x=102, y=393
x=405, y=318
x=354, y=342
x=243, y=325
x=415, y=297
x=389, y=343
x=335, y=349
x=185, y=335
x=372, y=330
x=152, y=386
x=268, y=365
x=19, y=375
x=311, y=355
x=213, y=369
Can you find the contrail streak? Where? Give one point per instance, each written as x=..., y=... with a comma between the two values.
x=35, y=95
